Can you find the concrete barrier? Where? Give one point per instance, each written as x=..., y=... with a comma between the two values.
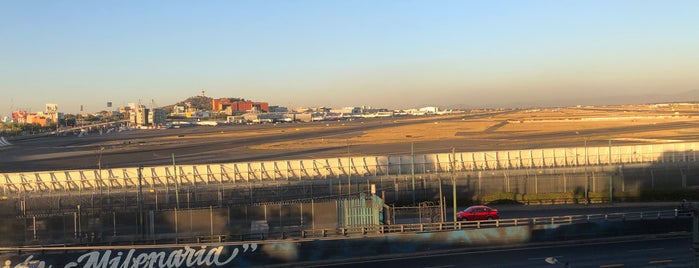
x=305, y=251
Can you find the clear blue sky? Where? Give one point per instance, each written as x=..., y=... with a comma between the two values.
x=392, y=54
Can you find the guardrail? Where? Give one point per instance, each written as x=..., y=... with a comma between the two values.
x=447, y=226
x=379, y=230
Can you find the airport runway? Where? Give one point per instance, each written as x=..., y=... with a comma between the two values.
x=206, y=144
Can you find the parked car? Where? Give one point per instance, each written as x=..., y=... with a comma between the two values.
x=478, y=213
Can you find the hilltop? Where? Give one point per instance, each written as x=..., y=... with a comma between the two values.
x=201, y=103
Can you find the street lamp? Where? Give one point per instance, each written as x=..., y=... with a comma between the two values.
x=99, y=168
x=453, y=180
x=412, y=167
x=349, y=170
x=79, y=223
x=611, y=178
x=587, y=177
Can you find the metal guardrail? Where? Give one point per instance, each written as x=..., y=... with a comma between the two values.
x=461, y=225
x=376, y=230
x=372, y=230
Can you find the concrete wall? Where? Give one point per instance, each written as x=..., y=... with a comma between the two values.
x=299, y=251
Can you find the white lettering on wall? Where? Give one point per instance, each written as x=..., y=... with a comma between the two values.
x=178, y=258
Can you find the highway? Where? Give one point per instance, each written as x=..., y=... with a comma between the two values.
x=655, y=252
x=521, y=211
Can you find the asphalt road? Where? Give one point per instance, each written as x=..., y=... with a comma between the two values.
x=655, y=252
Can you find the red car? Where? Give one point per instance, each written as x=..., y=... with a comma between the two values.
x=478, y=213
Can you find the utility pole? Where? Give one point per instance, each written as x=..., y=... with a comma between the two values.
x=611, y=181
x=587, y=177
x=177, y=189
x=349, y=171
x=441, y=199
x=412, y=167
x=453, y=180
x=140, y=201
x=99, y=167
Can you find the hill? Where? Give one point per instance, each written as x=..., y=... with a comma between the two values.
x=198, y=102
x=201, y=103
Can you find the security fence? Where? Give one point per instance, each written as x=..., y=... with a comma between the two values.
x=166, y=178
x=213, y=226
x=239, y=223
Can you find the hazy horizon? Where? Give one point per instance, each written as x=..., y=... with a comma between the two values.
x=389, y=54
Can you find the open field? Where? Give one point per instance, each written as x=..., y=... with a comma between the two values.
x=474, y=131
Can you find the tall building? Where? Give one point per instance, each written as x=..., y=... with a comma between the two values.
x=19, y=117
x=51, y=112
x=139, y=116
x=157, y=117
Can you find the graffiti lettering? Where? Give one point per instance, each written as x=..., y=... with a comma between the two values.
x=178, y=258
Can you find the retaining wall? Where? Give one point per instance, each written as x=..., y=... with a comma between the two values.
x=299, y=251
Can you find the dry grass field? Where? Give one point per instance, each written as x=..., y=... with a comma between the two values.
x=637, y=124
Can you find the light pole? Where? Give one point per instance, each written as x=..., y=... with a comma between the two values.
x=453, y=180
x=587, y=177
x=412, y=167
x=349, y=170
x=99, y=168
x=80, y=228
x=177, y=188
x=611, y=184
x=139, y=197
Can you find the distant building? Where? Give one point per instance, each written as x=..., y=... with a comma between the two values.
x=142, y=116
x=139, y=115
x=197, y=114
x=19, y=117
x=300, y=117
x=126, y=111
x=263, y=117
x=277, y=109
x=157, y=117
x=179, y=110
x=429, y=110
x=347, y=110
x=51, y=112
x=236, y=105
x=39, y=118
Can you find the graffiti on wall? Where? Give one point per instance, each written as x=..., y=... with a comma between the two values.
x=200, y=256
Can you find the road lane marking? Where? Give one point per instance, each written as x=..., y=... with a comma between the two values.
x=611, y=265
x=645, y=250
x=543, y=258
x=659, y=261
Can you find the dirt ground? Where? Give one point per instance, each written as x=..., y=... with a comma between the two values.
x=565, y=125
